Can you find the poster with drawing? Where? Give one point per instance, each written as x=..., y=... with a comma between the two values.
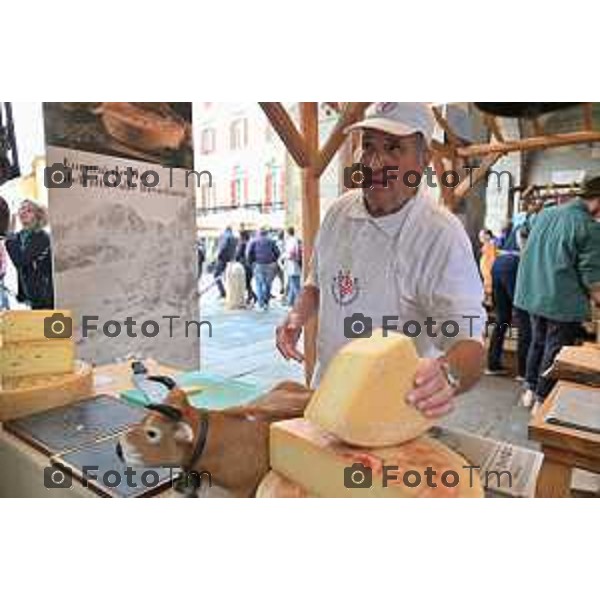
x=122, y=214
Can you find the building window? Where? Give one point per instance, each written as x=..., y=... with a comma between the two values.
x=270, y=135
x=207, y=196
x=273, y=187
x=238, y=133
x=208, y=140
x=239, y=187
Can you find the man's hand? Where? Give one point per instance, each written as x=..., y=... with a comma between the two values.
x=287, y=335
x=432, y=394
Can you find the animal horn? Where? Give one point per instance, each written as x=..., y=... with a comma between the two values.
x=168, y=382
x=166, y=411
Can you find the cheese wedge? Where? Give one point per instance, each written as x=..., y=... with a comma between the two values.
x=325, y=467
x=362, y=396
x=31, y=325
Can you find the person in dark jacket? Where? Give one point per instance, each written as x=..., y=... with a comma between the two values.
x=504, y=280
x=31, y=253
x=201, y=252
x=262, y=255
x=241, y=257
x=225, y=254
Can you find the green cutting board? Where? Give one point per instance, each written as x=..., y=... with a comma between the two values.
x=218, y=392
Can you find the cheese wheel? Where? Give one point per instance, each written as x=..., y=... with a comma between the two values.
x=326, y=467
x=22, y=396
x=362, y=397
x=275, y=485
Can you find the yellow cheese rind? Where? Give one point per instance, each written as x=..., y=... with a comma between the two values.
x=24, y=396
x=275, y=485
x=50, y=357
x=362, y=396
x=26, y=325
x=317, y=461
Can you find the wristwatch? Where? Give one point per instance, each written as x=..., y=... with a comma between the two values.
x=452, y=376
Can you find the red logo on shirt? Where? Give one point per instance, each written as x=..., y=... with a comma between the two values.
x=344, y=287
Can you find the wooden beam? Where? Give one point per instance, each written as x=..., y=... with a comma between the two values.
x=446, y=192
x=537, y=127
x=473, y=178
x=588, y=116
x=493, y=125
x=285, y=128
x=442, y=149
x=311, y=218
x=453, y=139
x=353, y=112
x=528, y=190
x=533, y=143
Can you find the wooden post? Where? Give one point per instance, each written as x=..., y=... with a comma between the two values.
x=309, y=117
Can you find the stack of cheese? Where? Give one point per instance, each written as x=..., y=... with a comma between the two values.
x=37, y=371
x=357, y=426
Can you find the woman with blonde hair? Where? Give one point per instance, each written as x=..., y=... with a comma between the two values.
x=30, y=251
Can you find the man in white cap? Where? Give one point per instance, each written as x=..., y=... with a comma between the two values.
x=389, y=253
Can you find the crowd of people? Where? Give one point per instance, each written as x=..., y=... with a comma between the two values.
x=29, y=250
x=543, y=274
x=265, y=256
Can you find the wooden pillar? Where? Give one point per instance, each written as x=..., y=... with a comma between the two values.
x=309, y=116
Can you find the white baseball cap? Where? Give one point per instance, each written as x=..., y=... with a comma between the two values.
x=398, y=118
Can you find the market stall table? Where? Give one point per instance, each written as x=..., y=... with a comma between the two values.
x=22, y=466
x=580, y=364
x=564, y=448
